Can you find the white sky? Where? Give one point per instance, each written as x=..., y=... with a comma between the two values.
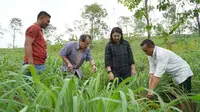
x=62, y=12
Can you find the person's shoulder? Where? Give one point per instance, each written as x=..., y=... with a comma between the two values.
x=33, y=27
x=72, y=44
x=162, y=52
x=125, y=42
x=108, y=43
x=161, y=49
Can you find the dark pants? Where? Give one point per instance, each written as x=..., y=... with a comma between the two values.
x=67, y=73
x=186, y=85
x=121, y=76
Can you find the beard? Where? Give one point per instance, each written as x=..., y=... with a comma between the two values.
x=44, y=26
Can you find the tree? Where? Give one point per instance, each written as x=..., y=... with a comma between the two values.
x=15, y=27
x=189, y=13
x=170, y=16
x=79, y=27
x=1, y=32
x=141, y=12
x=195, y=13
x=139, y=27
x=71, y=32
x=50, y=31
x=192, y=26
x=124, y=22
x=158, y=29
x=59, y=40
x=95, y=14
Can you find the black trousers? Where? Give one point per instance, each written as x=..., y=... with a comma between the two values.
x=186, y=85
x=65, y=74
x=122, y=76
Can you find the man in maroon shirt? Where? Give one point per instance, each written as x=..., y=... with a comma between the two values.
x=35, y=44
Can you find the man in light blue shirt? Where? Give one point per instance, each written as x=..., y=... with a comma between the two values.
x=74, y=54
x=165, y=61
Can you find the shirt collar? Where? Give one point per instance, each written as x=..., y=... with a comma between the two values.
x=78, y=47
x=38, y=26
x=154, y=51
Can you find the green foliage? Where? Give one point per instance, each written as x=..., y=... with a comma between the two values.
x=95, y=14
x=131, y=4
x=139, y=27
x=163, y=5
x=94, y=93
x=140, y=13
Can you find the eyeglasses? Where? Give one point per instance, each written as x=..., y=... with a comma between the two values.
x=87, y=44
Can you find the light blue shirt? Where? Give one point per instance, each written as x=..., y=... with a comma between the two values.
x=76, y=56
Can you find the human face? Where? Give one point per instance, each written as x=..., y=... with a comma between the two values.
x=45, y=20
x=86, y=44
x=147, y=50
x=116, y=37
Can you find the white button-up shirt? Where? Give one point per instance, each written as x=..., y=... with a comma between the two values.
x=165, y=61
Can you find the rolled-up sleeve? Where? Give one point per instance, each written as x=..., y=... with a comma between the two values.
x=32, y=32
x=162, y=61
x=89, y=56
x=65, y=50
x=152, y=66
x=107, y=55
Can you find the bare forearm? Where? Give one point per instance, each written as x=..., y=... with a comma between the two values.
x=108, y=68
x=153, y=82
x=29, y=54
x=65, y=59
x=133, y=67
x=92, y=63
x=150, y=79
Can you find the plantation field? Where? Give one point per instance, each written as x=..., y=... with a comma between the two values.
x=49, y=92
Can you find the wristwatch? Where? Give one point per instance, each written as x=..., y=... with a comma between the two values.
x=109, y=71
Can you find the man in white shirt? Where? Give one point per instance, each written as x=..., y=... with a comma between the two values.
x=165, y=61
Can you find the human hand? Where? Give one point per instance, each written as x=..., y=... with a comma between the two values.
x=133, y=72
x=149, y=95
x=111, y=76
x=94, y=68
x=70, y=67
x=30, y=61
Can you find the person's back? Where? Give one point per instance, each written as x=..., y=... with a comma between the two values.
x=176, y=67
x=165, y=61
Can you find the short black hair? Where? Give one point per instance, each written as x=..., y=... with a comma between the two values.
x=148, y=42
x=118, y=30
x=43, y=13
x=83, y=37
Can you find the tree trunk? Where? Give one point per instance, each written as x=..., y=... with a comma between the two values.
x=92, y=29
x=14, y=39
x=198, y=22
x=196, y=13
x=147, y=18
